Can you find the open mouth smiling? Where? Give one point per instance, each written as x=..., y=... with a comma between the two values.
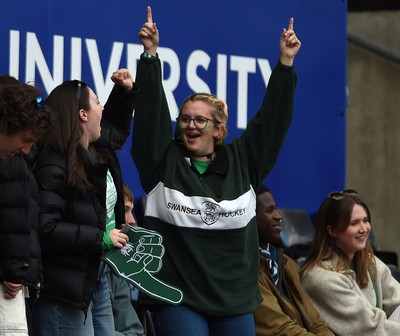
x=193, y=136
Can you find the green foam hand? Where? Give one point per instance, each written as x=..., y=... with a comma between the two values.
x=138, y=262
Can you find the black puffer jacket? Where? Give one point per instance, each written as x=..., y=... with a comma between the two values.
x=20, y=261
x=72, y=222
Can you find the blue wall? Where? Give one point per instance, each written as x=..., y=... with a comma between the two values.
x=216, y=46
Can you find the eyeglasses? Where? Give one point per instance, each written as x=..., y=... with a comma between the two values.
x=198, y=122
x=338, y=195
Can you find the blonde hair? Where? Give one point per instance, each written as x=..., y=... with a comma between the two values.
x=219, y=114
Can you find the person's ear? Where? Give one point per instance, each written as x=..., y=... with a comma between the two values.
x=331, y=231
x=82, y=115
x=217, y=131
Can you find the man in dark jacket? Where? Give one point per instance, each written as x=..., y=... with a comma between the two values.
x=286, y=309
x=23, y=120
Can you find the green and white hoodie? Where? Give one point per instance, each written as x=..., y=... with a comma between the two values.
x=208, y=221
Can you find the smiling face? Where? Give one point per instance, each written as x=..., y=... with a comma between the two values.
x=268, y=220
x=354, y=238
x=199, y=142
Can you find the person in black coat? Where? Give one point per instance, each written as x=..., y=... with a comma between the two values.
x=82, y=205
x=23, y=119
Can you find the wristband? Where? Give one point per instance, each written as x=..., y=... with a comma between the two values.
x=147, y=55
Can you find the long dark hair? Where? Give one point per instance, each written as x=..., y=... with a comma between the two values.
x=337, y=213
x=65, y=101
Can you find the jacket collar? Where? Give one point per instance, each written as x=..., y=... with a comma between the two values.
x=219, y=165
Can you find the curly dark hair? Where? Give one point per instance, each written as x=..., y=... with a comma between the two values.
x=7, y=80
x=19, y=111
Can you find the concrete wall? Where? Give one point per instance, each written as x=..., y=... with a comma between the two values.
x=373, y=120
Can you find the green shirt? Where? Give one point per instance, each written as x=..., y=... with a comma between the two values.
x=111, y=200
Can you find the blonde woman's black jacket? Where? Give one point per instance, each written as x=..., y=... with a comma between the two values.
x=72, y=222
x=19, y=210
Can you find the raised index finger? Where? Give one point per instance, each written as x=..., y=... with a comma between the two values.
x=149, y=15
x=290, y=26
